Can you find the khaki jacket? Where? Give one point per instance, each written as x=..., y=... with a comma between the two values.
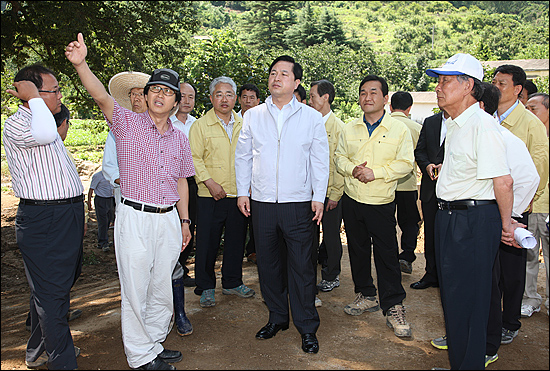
x=527, y=127
x=213, y=153
x=388, y=152
x=409, y=182
x=335, y=188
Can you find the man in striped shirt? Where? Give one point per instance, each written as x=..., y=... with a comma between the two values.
x=49, y=224
x=152, y=223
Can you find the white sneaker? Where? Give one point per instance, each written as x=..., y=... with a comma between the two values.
x=527, y=310
x=318, y=302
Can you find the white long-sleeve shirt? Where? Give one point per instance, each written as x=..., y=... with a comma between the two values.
x=290, y=167
x=110, y=162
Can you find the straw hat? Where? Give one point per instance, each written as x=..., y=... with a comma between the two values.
x=121, y=84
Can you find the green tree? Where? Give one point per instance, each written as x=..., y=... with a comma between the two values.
x=305, y=33
x=331, y=29
x=266, y=22
x=120, y=35
x=221, y=55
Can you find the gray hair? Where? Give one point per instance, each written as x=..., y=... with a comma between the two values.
x=222, y=80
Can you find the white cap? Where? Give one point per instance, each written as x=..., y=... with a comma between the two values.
x=459, y=64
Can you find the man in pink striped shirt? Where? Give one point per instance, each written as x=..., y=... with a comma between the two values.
x=49, y=224
x=152, y=222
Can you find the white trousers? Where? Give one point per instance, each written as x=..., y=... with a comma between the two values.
x=537, y=226
x=147, y=248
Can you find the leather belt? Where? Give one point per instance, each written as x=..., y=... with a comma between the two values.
x=65, y=201
x=147, y=208
x=463, y=204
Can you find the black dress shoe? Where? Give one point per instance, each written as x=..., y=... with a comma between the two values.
x=170, y=356
x=310, y=344
x=156, y=364
x=420, y=285
x=270, y=330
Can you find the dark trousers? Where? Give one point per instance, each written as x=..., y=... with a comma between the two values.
x=184, y=255
x=507, y=288
x=407, y=218
x=212, y=217
x=466, y=244
x=372, y=228
x=332, y=220
x=291, y=221
x=50, y=241
x=429, y=210
x=250, y=245
x=104, y=214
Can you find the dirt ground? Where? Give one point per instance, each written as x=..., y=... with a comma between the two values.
x=223, y=336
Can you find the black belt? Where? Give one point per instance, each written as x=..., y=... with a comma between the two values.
x=65, y=201
x=147, y=208
x=463, y=204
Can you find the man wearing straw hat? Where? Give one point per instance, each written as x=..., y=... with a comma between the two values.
x=127, y=89
x=152, y=224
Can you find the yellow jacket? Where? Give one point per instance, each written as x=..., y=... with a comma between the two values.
x=388, y=152
x=213, y=153
x=335, y=188
x=527, y=127
x=408, y=182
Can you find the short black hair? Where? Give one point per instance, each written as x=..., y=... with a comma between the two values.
x=368, y=78
x=33, y=73
x=530, y=87
x=518, y=74
x=491, y=96
x=249, y=86
x=301, y=92
x=62, y=115
x=296, y=68
x=325, y=87
x=401, y=100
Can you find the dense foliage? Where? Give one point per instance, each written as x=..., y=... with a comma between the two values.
x=339, y=40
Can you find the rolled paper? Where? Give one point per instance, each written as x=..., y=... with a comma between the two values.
x=525, y=238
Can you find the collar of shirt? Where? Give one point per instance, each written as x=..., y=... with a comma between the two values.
x=325, y=117
x=231, y=120
x=505, y=114
x=443, y=130
x=280, y=114
x=271, y=105
x=463, y=118
x=370, y=127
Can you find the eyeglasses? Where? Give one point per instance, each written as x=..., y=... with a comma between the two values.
x=68, y=123
x=137, y=95
x=167, y=91
x=227, y=96
x=56, y=91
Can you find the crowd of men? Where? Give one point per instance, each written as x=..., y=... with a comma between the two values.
x=277, y=171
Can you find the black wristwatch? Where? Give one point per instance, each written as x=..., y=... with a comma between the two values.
x=188, y=221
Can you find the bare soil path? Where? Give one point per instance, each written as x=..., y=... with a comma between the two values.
x=223, y=336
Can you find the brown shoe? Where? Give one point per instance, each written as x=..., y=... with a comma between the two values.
x=251, y=258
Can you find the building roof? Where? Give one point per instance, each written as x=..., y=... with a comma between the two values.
x=421, y=96
x=526, y=64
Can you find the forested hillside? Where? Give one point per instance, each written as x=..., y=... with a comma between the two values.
x=338, y=40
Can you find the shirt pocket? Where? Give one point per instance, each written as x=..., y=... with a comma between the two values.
x=214, y=151
x=385, y=150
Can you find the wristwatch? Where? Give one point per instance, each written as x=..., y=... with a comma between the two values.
x=188, y=221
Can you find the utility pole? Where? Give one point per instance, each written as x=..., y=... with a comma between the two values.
x=433, y=33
